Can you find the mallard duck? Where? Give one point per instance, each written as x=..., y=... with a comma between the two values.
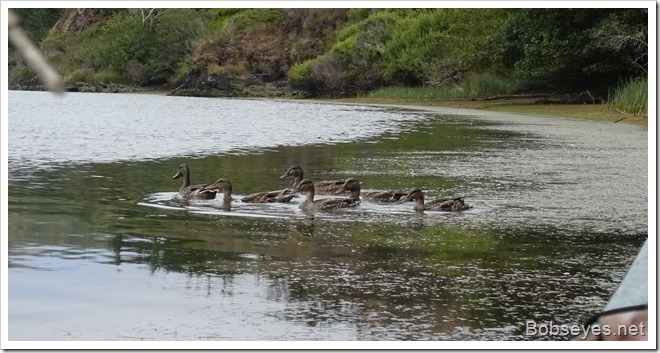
x=307, y=186
x=322, y=186
x=283, y=196
x=447, y=204
x=192, y=191
x=225, y=186
x=353, y=185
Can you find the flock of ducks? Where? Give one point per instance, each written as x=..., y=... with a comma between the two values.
x=310, y=189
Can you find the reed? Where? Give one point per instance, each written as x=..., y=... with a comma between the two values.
x=476, y=86
x=630, y=96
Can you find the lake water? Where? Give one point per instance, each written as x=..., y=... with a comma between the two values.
x=100, y=247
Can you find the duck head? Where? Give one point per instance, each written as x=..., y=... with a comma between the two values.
x=293, y=171
x=305, y=185
x=220, y=184
x=414, y=194
x=351, y=184
x=182, y=172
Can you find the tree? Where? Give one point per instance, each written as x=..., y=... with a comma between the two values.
x=37, y=22
x=571, y=48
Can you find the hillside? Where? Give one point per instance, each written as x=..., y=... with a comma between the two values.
x=471, y=53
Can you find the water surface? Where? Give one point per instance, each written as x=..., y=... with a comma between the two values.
x=102, y=248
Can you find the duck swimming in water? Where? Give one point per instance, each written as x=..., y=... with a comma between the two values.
x=192, y=191
x=307, y=186
x=447, y=204
x=283, y=196
x=226, y=187
x=353, y=185
x=321, y=186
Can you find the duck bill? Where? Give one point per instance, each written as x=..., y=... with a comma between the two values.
x=177, y=175
x=342, y=189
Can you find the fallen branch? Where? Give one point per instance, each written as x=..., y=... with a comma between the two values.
x=531, y=95
x=174, y=90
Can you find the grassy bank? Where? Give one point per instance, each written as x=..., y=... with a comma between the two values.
x=597, y=112
x=627, y=101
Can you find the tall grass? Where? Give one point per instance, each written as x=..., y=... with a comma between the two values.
x=476, y=86
x=630, y=97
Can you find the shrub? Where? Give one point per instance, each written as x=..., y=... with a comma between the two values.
x=81, y=75
x=20, y=75
x=300, y=76
x=106, y=76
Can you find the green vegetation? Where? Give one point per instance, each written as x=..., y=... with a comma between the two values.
x=37, y=22
x=128, y=47
x=475, y=86
x=631, y=97
x=402, y=53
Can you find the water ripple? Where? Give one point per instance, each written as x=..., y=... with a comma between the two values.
x=132, y=130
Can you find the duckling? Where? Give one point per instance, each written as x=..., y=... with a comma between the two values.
x=322, y=186
x=353, y=185
x=192, y=191
x=307, y=186
x=448, y=204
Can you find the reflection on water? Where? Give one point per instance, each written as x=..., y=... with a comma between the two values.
x=102, y=248
x=122, y=124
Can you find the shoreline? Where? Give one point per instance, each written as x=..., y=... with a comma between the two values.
x=594, y=112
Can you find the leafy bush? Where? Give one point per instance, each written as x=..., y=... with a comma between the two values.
x=134, y=48
x=432, y=45
x=352, y=63
x=20, y=75
x=300, y=75
x=81, y=75
x=106, y=76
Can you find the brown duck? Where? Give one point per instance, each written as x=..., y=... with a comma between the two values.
x=447, y=204
x=225, y=186
x=307, y=186
x=322, y=186
x=353, y=185
x=192, y=191
x=283, y=196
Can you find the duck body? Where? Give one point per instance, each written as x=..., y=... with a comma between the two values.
x=353, y=185
x=192, y=191
x=282, y=196
x=452, y=204
x=321, y=187
x=224, y=185
x=307, y=186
